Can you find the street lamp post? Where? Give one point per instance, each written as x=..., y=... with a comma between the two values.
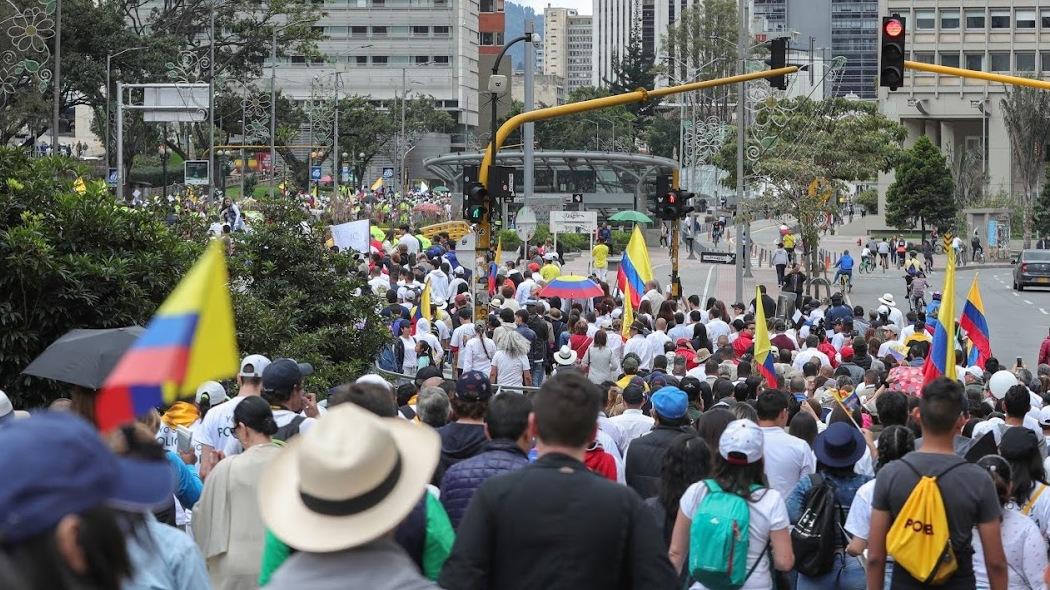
x=109, y=59
x=164, y=151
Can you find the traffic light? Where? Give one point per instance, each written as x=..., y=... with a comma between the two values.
x=778, y=59
x=477, y=202
x=682, y=207
x=891, y=72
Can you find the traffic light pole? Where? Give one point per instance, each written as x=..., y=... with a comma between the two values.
x=676, y=227
x=989, y=76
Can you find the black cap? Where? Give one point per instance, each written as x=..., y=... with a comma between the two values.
x=428, y=372
x=1018, y=443
x=284, y=374
x=634, y=393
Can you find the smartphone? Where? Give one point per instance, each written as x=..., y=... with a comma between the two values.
x=1019, y=363
x=185, y=439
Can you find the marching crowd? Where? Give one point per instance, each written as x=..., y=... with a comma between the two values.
x=554, y=443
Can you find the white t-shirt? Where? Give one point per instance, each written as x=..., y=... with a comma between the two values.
x=716, y=328
x=460, y=336
x=858, y=521
x=283, y=417
x=1025, y=551
x=804, y=357
x=410, y=242
x=477, y=355
x=656, y=340
x=639, y=346
x=216, y=430
x=768, y=513
x=509, y=369
x=787, y=459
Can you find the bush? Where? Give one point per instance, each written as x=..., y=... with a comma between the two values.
x=869, y=199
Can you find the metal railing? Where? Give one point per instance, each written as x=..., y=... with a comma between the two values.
x=397, y=378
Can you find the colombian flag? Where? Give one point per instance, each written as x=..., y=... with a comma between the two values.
x=635, y=270
x=941, y=361
x=493, y=271
x=190, y=340
x=976, y=326
x=423, y=309
x=763, y=354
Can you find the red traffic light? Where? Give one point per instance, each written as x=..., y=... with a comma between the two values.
x=893, y=27
x=671, y=198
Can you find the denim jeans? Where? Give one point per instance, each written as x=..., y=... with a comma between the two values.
x=537, y=373
x=845, y=574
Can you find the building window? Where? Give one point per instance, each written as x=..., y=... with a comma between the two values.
x=379, y=31
x=925, y=20
x=358, y=31
x=420, y=31
x=361, y=60
x=1000, y=18
x=1000, y=62
x=378, y=2
x=422, y=60
x=950, y=59
x=1024, y=61
x=1024, y=19
x=949, y=19
x=441, y=59
x=379, y=60
x=1044, y=19
x=975, y=61
x=975, y=18
x=298, y=59
x=1044, y=61
x=441, y=31
x=926, y=57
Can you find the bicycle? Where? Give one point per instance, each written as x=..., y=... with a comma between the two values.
x=845, y=283
x=978, y=257
x=867, y=265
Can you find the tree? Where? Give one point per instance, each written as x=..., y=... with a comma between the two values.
x=633, y=69
x=923, y=192
x=1041, y=223
x=800, y=157
x=1025, y=113
x=611, y=128
x=662, y=134
x=701, y=44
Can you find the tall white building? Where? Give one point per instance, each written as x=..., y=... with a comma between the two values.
x=613, y=21
x=580, y=66
x=567, y=46
x=958, y=114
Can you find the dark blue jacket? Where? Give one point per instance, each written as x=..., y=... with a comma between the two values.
x=464, y=478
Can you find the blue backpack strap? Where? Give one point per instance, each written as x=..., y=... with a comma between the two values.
x=712, y=486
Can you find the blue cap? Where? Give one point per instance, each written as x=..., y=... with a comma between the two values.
x=473, y=386
x=670, y=402
x=56, y=464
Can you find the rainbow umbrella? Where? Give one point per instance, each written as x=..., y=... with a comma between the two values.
x=572, y=287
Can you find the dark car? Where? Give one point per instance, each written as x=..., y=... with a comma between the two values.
x=1032, y=267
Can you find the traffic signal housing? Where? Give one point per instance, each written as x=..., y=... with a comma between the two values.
x=477, y=202
x=778, y=59
x=891, y=52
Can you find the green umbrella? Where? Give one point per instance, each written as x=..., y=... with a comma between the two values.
x=440, y=189
x=631, y=216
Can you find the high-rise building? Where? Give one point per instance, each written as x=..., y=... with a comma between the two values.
x=567, y=46
x=961, y=115
x=846, y=28
x=611, y=24
x=491, y=28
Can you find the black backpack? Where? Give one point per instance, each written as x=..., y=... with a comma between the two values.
x=815, y=537
x=289, y=430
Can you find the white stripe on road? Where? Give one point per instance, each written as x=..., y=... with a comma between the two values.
x=1043, y=310
x=1016, y=295
x=707, y=284
x=1028, y=302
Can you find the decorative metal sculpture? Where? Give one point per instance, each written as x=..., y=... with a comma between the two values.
x=25, y=56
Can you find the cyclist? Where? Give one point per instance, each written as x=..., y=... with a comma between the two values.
x=957, y=246
x=917, y=292
x=866, y=262
x=927, y=254
x=913, y=266
x=977, y=250
x=845, y=268
x=884, y=254
x=902, y=248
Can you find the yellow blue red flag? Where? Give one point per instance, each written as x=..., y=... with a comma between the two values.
x=191, y=339
x=635, y=270
x=975, y=323
x=763, y=352
x=941, y=361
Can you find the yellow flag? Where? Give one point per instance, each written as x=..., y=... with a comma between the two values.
x=78, y=186
x=499, y=251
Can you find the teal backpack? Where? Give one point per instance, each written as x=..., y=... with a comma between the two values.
x=718, y=540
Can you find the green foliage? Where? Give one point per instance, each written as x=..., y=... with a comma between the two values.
x=73, y=261
x=869, y=199
x=922, y=193
x=1041, y=223
x=662, y=134
x=607, y=129
x=701, y=45
x=298, y=300
x=1025, y=114
x=634, y=69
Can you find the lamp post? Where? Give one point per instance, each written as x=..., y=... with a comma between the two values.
x=109, y=60
x=164, y=152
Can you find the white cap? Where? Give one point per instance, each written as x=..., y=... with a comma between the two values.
x=741, y=442
x=216, y=392
x=374, y=380
x=975, y=371
x=253, y=365
x=1044, y=417
x=993, y=425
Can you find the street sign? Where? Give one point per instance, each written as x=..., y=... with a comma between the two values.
x=573, y=222
x=525, y=223
x=388, y=172
x=111, y=178
x=315, y=172
x=196, y=172
x=718, y=257
x=344, y=175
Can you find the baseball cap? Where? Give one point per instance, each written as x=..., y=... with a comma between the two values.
x=741, y=442
x=473, y=386
x=634, y=393
x=670, y=402
x=846, y=353
x=45, y=479
x=460, y=299
x=1018, y=443
x=1044, y=417
x=253, y=365
x=630, y=362
x=284, y=374
x=428, y=372
x=216, y=392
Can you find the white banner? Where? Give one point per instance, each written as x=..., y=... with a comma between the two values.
x=353, y=235
x=573, y=222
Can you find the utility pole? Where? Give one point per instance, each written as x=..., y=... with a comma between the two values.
x=211, y=102
x=273, y=114
x=56, y=81
x=741, y=134
x=336, y=170
x=401, y=142
x=530, y=128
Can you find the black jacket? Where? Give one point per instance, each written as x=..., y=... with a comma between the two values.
x=459, y=441
x=462, y=480
x=645, y=457
x=555, y=525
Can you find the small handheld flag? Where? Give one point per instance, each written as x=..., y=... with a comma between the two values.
x=976, y=325
x=847, y=399
x=635, y=270
x=763, y=353
x=191, y=339
x=941, y=361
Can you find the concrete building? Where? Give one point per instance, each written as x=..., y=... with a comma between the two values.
x=846, y=28
x=567, y=46
x=959, y=114
x=491, y=28
x=546, y=90
x=611, y=24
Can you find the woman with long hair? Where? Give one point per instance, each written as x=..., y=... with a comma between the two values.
x=227, y=524
x=1023, y=544
x=739, y=470
x=700, y=337
x=580, y=342
x=600, y=361
x=1020, y=447
x=686, y=462
x=712, y=424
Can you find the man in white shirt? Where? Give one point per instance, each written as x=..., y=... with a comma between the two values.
x=681, y=328
x=811, y=352
x=632, y=422
x=295, y=411
x=377, y=282
x=460, y=336
x=716, y=326
x=654, y=295
x=787, y=458
x=524, y=291
x=896, y=316
x=658, y=337
x=408, y=240
x=439, y=283
x=639, y=346
x=215, y=432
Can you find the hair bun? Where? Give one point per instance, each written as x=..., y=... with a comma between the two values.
x=269, y=426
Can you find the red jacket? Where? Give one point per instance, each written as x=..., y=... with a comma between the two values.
x=1044, y=352
x=689, y=354
x=600, y=462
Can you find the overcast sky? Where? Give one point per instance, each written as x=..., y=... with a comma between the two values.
x=583, y=6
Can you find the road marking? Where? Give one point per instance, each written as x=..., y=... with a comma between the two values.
x=1028, y=302
x=707, y=284
x=1016, y=295
x=1043, y=310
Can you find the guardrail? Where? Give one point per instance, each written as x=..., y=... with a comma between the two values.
x=397, y=378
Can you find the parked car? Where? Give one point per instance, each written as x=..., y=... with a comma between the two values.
x=1032, y=267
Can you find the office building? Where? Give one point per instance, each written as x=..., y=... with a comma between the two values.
x=960, y=114
x=491, y=28
x=547, y=90
x=567, y=46
x=612, y=24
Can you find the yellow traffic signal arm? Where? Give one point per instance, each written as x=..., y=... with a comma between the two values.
x=989, y=76
x=640, y=95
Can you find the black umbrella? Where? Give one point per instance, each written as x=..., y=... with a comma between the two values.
x=84, y=357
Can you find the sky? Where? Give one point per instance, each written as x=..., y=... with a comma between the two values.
x=583, y=6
